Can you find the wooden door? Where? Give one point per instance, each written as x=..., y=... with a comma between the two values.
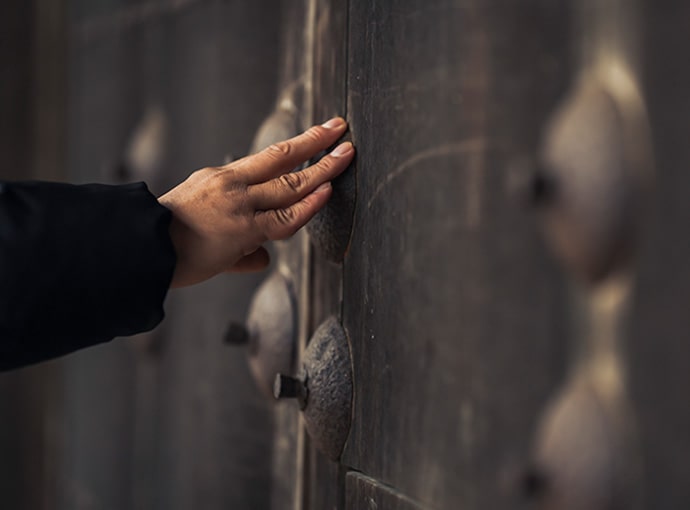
x=467, y=322
x=445, y=110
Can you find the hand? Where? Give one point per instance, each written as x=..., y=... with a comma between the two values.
x=222, y=216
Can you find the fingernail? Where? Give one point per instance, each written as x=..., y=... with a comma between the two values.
x=333, y=123
x=341, y=150
x=324, y=187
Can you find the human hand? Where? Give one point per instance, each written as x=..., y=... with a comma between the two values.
x=223, y=215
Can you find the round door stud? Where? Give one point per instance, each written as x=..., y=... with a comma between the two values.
x=280, y=125
x=323, y=388
x=286, y=386
x=583, y=459
x=596, y=164
x=331, y=228
x=270, y=331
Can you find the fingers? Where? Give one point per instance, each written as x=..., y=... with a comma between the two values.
x=283, y=156
x=277, y=224
x=255, y=261
x=291, y=187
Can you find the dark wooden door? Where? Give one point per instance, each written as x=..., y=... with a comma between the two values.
x=449, y=298
x=445, y=110
x=477, y=339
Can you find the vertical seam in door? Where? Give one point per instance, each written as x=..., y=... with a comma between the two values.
x=342, y=471
x=301, y=502
x=346, y=102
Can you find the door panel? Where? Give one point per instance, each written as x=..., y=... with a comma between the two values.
x=450, y=299
x=659, y=347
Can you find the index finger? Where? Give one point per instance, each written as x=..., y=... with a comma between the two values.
x=284, y=156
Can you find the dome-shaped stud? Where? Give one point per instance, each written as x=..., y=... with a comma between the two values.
x=270, y=332
x=583, y=458
x=324, y=388
x=596, y=161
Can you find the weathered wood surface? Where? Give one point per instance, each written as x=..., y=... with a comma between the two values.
x=454, y=309
x=659, y=347
x=364, y=493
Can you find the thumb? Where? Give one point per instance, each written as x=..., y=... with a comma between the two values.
x=255, y=261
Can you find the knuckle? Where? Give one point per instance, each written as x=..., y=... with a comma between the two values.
x=278, y=224
x=280, y=149
x=283, y=224
x=227, y=180
x=314, y=134
x=242, y=205
x=201, y=173
x=326, y=164
x=291, y=182
x=284, y=216
x=224, y=179
x=229, y=174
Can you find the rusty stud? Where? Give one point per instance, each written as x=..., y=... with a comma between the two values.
x=236, y=334
x=286, y=386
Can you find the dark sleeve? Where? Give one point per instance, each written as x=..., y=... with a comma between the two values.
x=79, y=265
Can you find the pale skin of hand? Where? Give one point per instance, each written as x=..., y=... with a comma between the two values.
x=222, y=216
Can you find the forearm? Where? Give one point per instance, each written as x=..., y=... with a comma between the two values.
x=79, y=265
